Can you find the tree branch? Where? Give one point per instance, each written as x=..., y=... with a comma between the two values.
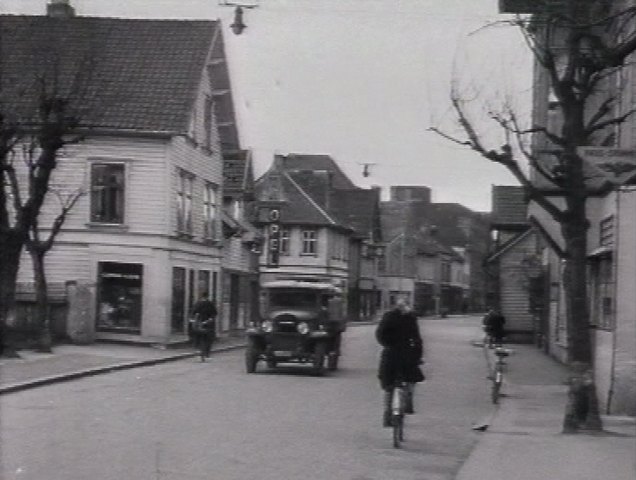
x=612, y=121
x=59, y=220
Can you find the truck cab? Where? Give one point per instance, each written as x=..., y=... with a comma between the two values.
x=299, y=322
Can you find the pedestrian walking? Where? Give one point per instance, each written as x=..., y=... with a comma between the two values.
x=203, y=325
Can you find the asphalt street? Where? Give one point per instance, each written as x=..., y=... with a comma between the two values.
x=192, y=420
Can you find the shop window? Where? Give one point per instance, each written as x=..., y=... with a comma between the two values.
x=107, y=193
x=119, y=297
x=191, y=291
x=204, y=283
x=178, y=299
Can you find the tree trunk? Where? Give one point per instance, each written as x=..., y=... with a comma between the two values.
x=44, y=341
x=10, y=250
x=582, y=410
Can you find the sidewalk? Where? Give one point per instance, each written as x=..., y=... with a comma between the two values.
x=68, y=362
x=524, y=441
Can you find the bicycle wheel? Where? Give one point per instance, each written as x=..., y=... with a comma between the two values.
x=398, y=430
x=496, y=387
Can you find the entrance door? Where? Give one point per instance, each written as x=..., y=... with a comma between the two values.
x=234, y=300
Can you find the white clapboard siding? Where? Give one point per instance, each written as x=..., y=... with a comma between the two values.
x=514, y=285
x=63, y=262
x=236, y=255
x=145, y=161
x=205, y=168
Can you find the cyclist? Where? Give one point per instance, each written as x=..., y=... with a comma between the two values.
x=399, y=334
x=204, y=313
x=493, y=323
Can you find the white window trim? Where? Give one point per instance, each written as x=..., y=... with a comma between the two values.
x=108, y=161
x=313, y=241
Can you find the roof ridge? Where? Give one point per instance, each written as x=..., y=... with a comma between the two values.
x=308, y=197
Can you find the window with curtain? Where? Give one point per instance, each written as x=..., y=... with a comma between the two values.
x=209, y=211
x=184, y=202
x=107, y=193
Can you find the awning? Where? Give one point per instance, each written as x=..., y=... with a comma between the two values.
x=602, y=251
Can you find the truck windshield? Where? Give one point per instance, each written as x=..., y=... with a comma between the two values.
x=292, y=298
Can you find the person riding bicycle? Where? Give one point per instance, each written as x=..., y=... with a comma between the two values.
x=493, y=323
x=399, y=334
x=204, y=326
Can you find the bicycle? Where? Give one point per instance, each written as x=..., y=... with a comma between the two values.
x=400, y=396
x=497, y=376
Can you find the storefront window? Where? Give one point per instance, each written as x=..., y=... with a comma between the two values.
x=204, y=282
x=178, y=299
x=119, y=294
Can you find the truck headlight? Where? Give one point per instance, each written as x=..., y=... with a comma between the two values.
x=302, y=328
x=267, y=326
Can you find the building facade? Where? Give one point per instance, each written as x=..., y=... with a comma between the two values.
x=145, y=239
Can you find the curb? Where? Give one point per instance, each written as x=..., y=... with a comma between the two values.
x=64, y=377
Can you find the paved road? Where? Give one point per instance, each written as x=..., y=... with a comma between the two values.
x=188, y=420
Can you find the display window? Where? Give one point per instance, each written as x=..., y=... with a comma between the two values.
x=119, y=297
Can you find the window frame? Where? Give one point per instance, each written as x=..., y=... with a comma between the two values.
x=210, y=210
x=184, y=202
x=312, y=242
x=122, y=191
x=284, y=241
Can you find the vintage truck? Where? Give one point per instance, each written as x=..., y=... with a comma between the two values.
x=300, y=322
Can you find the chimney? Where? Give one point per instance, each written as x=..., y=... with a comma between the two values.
x=60, y=9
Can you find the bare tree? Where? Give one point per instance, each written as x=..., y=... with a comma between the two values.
x=578, y=48
x=38, y=247
x=43, y=112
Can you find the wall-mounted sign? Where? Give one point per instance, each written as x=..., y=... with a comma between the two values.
x=616, y=164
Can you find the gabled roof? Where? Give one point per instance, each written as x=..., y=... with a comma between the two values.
x=509, y=206
x=510, y=244
x=136, y=75
x=296, y=206
x=426, y=244
x=300, y=162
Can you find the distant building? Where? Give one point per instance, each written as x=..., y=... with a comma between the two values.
x=449, y=235
x=319, y=226
x=515, y=265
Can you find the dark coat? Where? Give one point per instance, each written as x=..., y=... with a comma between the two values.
x=204, y=321
x=205, y=309
x=399, y=334
x=494, y=323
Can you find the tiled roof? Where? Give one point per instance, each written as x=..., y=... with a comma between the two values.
x=509, y=205
x=295, y=161
x=136, y=75
x=297, y=207
x=359, y=209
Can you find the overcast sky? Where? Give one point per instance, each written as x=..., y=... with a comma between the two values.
x=361, y=80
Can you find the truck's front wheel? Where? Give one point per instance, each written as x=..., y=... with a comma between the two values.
x=319, y=358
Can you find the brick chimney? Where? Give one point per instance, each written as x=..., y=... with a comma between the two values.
x=60, y=9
